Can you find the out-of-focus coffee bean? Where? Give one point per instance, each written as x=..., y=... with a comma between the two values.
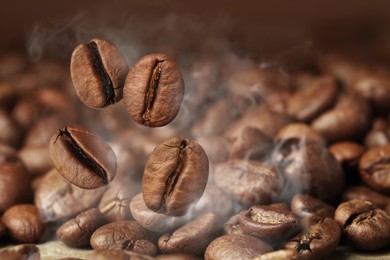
x=41, y=132
x=307, y=206
x=10, y=133
x=2, y=229
x=35, y=159
x=283, y=254
x=236, y=247
x=364, y=226
x=102, y=254
x=347, y=152
x=374, y=168
x=216, y=147
x=298, y=133
x=8, y=154
x=379, y=134
x=21, y=252
x=153, y=90
x=98, y=72
x=23, y=223
x=175, y=176
x=178, y=256
x=365, y=193
x=15, y=185
x=82, y=158
x=316, y=241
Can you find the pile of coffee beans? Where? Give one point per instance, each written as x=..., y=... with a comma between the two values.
x=246, y=162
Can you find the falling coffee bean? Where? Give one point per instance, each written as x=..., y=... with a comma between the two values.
x=153, y=90
x=82, y=158
x=175, y=176
x=98, y=72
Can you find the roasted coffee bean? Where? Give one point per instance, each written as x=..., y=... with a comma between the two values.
x=153, y=90
x=175, y=176
x=36, y=159
x=15, y=185
x=280, y=205
x=77, y=232
x=10, y=133
x=119, y=235
x=117, y=255
x=347, y=153
x=58, y=200
x=216, y=147
x=192, y=238
x=313, y=99
x=347, y=121
x=299, y=134
x=316, y=241
x=214, y=200
x=268, y=222
x=249, y=182
x=365, y=193
x=374, y=168
x=309, y=169
x=151, y=220
x=364, y=226
x=178, y=256
x=283, y=254
x=23, y=223
x=236, y=247
x=379, y=134
x=307, y=206
x=98, y=71
x=8, y=154
x=145, y=247
x=21, y=252
x=251, y=144
x=82, y=158
x=232, y=226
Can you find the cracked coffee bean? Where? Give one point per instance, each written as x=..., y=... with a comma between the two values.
x=374, y=168
x=364, y=226
x=98, y=71
x=21, y=252
x=153, y=90
x=175, y=176
x=316, y=241
x=232, y=247
x=119, y=235
x=23, y=223
x=192, y=238
x=82, y=158
x=269, y=223
x=77, y=232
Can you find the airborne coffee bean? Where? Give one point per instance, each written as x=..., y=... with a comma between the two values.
x=175, y=176
x=98, y=72
x=82, y=158
x=153, y=90
x=77, y=232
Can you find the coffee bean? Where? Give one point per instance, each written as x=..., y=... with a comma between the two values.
x=151, y=220
x=153, y=90
x=119, y=235
x=178, y=256
x=316, y=241
x=2, y=229
x=283, y=254
x=10, y=133
x=374, y=168
x=8, y=154
x=232, y=226
x=364, y=226
x=58, y=200
x=311, y=100
x=268, y=222
x=102, y=254
x=299, y=134
x=98, y=72
x=236, y=247
x=36, y=159
x=175, y=176
x=365, y=193
x=14, y=185
x=77, y=232
x=379, y=134
x=347, y=152
x=144, y=247
x=23, y=223
x=216, y=147
x=192, y=238
x=21, y=252
x=249, y=182
x=82, y=158
x=307, y=206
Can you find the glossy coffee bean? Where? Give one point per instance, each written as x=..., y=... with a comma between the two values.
x=21, y=252
x=98, y=72
x=82, y=158
x=23, y=223
x=119, y=235
x=364, y=226
x=374, y=168
x=77, y=232
x=307, y=206
x=153, y=90
x=316, y=241
x=14, y=185
x=268, y=222
x=365, y=193
x=192, y=238
x=249, y=182
x=151, y=220
x=175, y=176
x=236, y=247
x=311, y=100
x=59, y=200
